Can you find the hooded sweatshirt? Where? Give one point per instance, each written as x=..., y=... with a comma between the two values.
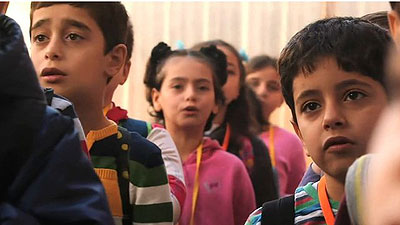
x=226, y=195
x=45, y=178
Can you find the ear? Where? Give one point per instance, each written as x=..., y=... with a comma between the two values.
x=298, y=132
x=125, y=72
x=155, y=97
x=393, y=19
x=115, y=59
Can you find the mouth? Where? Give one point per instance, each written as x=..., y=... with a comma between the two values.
x=337, y=143
x=52, y=75
x=190, y=109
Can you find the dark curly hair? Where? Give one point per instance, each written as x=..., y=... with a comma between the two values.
x=356, y=44
x=161, y=53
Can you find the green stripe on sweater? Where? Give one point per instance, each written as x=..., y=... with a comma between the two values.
x=104, y=162
x=142, y=176
x=155, y=213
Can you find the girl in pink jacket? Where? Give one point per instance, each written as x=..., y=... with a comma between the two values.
x=184, y=89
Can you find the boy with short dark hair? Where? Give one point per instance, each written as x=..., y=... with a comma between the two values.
x=77, y=48
x=152, y=132
x=41, y=161
x=332, y=79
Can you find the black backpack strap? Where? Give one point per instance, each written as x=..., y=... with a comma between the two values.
x=278, y=212
x=122, y=161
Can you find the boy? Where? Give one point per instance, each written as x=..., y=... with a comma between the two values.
x=332, y=79
x=157, y=135
x=41, y=162
x=76, y=49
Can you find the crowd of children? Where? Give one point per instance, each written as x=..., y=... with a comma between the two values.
x=71, y=156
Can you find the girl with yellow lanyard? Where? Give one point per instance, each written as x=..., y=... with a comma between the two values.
x=184, y=90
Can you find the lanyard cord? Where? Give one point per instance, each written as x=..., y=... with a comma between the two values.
x=196, y=182
x=271, y=146
x=225, y=145
x=324, y=202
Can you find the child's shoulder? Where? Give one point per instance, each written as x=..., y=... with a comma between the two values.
x=141, y=149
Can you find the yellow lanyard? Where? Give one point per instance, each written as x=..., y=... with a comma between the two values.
x=324, y=202
x=271, y=146
x=225, y=145
x=196, y=182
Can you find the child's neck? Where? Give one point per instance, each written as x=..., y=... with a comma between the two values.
x=266, y=118
x=91, y=117
x=220, y=117
x=334, y=187
x=186, y=140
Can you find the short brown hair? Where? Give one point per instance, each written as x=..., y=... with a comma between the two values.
x=111, y=17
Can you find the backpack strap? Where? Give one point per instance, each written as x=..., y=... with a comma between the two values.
x=278, y=212
x=122, y=161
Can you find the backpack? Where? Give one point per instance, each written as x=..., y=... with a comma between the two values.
x=278, y=212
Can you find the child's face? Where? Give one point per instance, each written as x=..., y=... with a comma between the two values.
x=68, y=51
x=187, y=95
x=265, y=83
x=232, y=85
x=336, y=113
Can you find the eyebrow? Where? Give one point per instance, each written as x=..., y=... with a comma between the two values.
x=201, y=80
x=69, y=22
x=39, y=24
x=341, y=85
x=307, y=94
x=351, y=82
x=77, y=24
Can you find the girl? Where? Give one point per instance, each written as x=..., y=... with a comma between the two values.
x=231, y=126
x=286, y=150
x=184, y=88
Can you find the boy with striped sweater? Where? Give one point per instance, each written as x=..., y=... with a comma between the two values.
x=76, y=49
x=332, y=79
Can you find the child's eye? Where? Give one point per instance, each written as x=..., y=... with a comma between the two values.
x=273, y=87
x=310, y=107
x=73, y=37
x=253, y=83
x=39, y=38
x=177, y=86
x=231, y=72
x=354, y=95
x=204, y=88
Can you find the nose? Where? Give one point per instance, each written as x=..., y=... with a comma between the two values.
x=262, y=90
x=53, y=50
x=334, y=118
x=190, y=93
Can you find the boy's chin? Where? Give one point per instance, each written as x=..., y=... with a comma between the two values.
x=339, y=171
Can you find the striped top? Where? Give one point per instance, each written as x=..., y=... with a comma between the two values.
x=143, y=171
x=307, y=207
x=66, y=108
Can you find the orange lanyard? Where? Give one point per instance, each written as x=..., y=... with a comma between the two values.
x=196, y=182
x=271, y=146
x=225, y=145
x=324, y=202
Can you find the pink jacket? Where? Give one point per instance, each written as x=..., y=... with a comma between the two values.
x=290, y=159
x=226, y=195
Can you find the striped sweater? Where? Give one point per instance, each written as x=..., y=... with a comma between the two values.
x=66, y=108
x=142, y=169
x=161, y=137
x=307, y=207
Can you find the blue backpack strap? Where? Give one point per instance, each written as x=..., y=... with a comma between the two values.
x=122, y=161
x=133, y=125
x=278, y=212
